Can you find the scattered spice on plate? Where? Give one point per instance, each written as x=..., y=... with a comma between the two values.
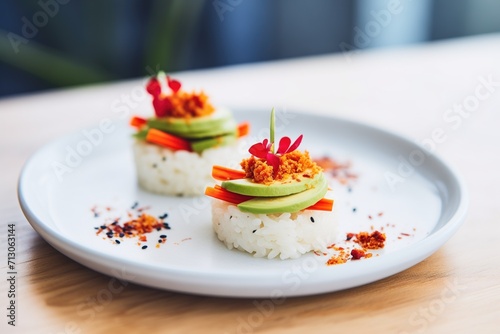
x=351, y=247
x=374, y=240
x=137, y=224
x=339, y=171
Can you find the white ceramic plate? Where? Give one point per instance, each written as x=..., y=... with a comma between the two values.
x=416, y=199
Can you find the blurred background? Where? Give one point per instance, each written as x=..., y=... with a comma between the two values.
x=47, y=44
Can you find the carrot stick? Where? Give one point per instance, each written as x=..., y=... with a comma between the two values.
x=167, y=140
x=324, y=204
x=243, y=129
x=222, y=173
x=225, y=195
x=137, y=122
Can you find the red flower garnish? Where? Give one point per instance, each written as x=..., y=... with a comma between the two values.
x=153, y=87
x=162, y=103
x=173, y=84
x=260, y=150
x=285, y=145
x=264, y=150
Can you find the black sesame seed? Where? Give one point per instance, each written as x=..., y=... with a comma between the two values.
x=254, y=231
x=122, y=234
x=312, y=219
x=117, y=241
x=349, y=189
x=96, y=228
x=163, y=236
x=115, y=222
x=230, y=217
x=354, y=209
x=103, y=226
x=158, y=228
x=166, y=226
x=163, y=216
x=144, y=247
x=160, y=241
x=136, y=204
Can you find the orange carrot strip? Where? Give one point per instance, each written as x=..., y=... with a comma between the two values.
x=243, y=129
x=225, y=195
x=324, y=204
x=137, y=122
x=167, y=140
x=222, y=173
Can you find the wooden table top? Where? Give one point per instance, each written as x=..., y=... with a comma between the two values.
x=411, y=91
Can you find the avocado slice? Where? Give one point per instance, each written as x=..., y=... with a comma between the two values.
x=278, y=188
x=291, y=203
x=226, y=127
x=191, y=125
x=201, y=145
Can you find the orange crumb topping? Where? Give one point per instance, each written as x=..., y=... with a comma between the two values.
x=292, y=165
x=189, y=105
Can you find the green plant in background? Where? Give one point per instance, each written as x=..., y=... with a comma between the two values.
x=168, y=32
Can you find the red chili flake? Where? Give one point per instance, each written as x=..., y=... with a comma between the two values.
x=336, y=259
x=349, y=236
x=374, y=240
x=405, y=234
x=143, y=208
x=370, y=217
x=340, y=171
x=380, y=214
x=357, y=253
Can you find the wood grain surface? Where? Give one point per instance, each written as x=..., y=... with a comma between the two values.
x=409, y=91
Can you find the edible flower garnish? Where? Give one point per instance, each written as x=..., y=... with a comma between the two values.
x=179, y=103
x=265, y=150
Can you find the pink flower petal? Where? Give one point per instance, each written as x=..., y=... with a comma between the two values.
x=284, y=144
x=265, y=142
x=173, y=84
x=153, y=87
x=258, y=150
x=274, y=161
x=162, y=106
x=295, y=145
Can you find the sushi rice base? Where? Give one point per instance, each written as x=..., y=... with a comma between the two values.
x=284, y=236
x=180, y=173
